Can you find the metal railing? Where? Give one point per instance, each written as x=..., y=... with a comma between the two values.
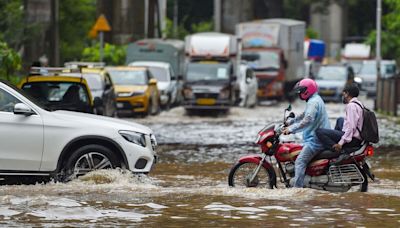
x=388, y=95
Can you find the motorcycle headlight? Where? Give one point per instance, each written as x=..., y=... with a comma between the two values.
x=134, y=137
x=224, y=94
x=358, y=80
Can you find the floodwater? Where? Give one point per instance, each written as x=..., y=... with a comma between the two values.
x=188, y=186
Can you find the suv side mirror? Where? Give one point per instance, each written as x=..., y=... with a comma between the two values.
x=180, y=77
x=23, y=109
x=153, y=81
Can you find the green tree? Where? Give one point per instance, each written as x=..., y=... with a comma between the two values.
x=10, y=62
x=76, y=19
x=13, y=29
x=113, y=54
x=390, y=36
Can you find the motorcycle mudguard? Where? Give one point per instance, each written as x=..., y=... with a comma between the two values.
x=255, y=159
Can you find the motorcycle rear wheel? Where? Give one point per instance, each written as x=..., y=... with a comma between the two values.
x=240, y=174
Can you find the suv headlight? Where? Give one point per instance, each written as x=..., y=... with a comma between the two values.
x=134, y=137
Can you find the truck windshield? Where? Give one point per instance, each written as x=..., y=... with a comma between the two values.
x=128, y=77
x=207, y=71
x=336, y=73
x=262, y=60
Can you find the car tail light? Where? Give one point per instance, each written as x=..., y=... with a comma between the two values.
x=370, y=151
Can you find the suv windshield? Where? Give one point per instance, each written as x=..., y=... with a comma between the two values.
x=160, y=73
x=332, y=73
x=128, y=77
x=60, y=95
x=262, y=60
x=207, y=71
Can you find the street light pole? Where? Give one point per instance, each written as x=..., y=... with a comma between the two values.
x=379, y=85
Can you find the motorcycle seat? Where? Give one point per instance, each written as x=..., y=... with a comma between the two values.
x=326, y=154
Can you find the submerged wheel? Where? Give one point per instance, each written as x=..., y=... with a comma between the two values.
x=240, y=175
x=364, y=185
x=88, y=158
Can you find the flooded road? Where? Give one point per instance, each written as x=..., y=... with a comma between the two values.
x=188, y=185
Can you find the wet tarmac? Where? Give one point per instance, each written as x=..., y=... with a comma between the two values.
x=188, y=186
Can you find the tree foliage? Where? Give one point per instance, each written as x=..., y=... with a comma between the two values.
x=112, y=55
x=10, y=62
x=390, y=34
x=76, y=19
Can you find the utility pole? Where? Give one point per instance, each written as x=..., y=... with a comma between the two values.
x=54, y=43
x=175, y=19
x=379, y=85
x=217, y=15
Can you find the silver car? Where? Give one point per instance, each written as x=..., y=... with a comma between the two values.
x=368, y=74
x=331, y=79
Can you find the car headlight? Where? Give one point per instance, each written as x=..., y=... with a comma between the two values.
x=134, y=137
x=224, y=94
x=131, y=94
x=188, y=93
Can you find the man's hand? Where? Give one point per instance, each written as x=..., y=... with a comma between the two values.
x=337, y=147
x=286, y=131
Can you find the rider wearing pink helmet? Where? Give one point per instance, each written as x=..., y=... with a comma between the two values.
x=306, y=88
x=313, y=117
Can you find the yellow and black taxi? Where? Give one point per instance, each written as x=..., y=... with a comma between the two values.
x=100, y=85
x=58, y=89
x=136, y=90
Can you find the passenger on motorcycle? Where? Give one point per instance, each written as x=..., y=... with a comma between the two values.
x=347, y=130
x=313, y=117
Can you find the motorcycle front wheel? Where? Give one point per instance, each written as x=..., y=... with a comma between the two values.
x=241, y=174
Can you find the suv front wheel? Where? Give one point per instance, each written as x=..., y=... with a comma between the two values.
x=89, y=158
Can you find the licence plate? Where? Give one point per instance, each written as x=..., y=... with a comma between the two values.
x=205, y=101
x=327, y=92
x=120, y=105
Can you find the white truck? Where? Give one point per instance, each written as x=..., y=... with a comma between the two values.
x=354, y=54
x=165, y=59
x=210, y=76
x=274, y=49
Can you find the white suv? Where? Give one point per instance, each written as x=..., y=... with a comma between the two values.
x=167, y=81
x=64, y=144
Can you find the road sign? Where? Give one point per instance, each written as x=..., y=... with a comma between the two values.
x=102, y=24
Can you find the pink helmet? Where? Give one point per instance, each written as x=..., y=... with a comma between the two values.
x=306, y=88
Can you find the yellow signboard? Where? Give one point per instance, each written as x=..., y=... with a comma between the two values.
x=102, y=24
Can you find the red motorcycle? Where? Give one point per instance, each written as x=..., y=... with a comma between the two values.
x=322, y=173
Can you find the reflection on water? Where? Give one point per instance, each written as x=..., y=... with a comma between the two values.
x=189, y=186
